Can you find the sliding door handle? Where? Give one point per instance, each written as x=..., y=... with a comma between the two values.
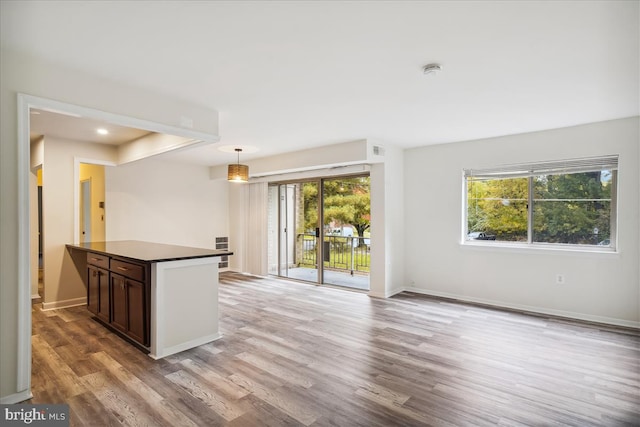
x=317, y=231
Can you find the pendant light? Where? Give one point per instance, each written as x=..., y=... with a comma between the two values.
x=237, y=172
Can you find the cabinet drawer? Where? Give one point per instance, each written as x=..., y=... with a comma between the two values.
x=98, y=260
x=133, y=271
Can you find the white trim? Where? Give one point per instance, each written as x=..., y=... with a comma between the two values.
x=126, y=121
x=533, y=309
x=24, y=103
x=23, y=368
x=387, y=294
x=322, y=171
x=16, y=398
x=156, y=328
x=74, y=302
x=188, y=143
x=541, y=248
x=560, y=167
x=35, y=296
x=184, y=346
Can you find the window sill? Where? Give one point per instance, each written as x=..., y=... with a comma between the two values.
x=539, y=248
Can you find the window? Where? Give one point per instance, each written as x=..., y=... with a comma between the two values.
x=571, y=202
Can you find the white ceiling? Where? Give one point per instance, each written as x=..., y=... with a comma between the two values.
x=79, y=128
x=291, y=75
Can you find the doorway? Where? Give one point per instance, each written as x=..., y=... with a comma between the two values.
x=319, y=231
x=91, y=206
x=25, y=103
x=85, y=211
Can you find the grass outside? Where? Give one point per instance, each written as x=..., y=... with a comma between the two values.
x=340, y=259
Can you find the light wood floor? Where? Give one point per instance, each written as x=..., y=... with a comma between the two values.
x=295, y=354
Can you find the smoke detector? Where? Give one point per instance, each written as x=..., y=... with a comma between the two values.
x=431, y=69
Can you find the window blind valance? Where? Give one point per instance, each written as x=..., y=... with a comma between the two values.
x=523, y=170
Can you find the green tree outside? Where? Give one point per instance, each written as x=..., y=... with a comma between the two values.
x=346, y=201
x=569, y=208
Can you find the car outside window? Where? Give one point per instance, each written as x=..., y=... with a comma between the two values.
x=570, y=202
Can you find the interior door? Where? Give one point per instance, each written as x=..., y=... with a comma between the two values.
x=85, y=211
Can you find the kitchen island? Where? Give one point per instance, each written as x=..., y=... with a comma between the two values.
x=162, y=298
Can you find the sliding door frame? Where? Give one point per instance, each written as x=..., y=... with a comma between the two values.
x=319, y=225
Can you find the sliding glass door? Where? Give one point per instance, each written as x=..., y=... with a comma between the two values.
x=319, y=231
x=346, y=209
x=293, y=230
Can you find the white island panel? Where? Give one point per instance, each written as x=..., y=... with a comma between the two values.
x=184, y=305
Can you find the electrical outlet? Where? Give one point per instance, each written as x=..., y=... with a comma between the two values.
x=560, y=279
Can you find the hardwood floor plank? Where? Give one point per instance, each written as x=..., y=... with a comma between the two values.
x=119, y=402
x=127, y=378
x=200, y=390
x=276, y=399
x=275, y=370
x=63, y=376
x=222, y=384
x=296, y=354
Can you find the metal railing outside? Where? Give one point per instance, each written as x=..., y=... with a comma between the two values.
x=342, y=253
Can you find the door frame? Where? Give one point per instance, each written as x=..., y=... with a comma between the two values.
x=319, y=180
x=319, y=243
x=24, y=104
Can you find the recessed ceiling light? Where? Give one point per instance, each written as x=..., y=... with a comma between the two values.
x=102, y=131
x=431, y=69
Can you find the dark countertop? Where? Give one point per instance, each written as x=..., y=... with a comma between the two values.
x=147, y=251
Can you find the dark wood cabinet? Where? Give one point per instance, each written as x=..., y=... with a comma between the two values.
x=119, y=302
x=118, y=294
x=98, y=292
x=128, y=307
x=136, y=311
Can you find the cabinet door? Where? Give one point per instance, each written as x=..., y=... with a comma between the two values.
x=98, y=292
x=119, y=302
x=93, y=289
x=104, y=304
x=136, y=311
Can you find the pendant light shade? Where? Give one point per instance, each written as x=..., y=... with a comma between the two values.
x=237, y=172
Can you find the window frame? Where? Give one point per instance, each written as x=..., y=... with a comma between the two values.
x=530, y=170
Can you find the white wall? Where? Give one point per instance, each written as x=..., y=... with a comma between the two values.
x=20, y=73
x=248, y=224
x=33, y=220
x=387, y=224
x=63, y=285
x=165, y=202
x=600, y=287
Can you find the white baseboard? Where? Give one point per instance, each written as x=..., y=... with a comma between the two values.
x=185, y=346
x=64, y=304
x=35, y=296
x=386, y=294
x=533, y=309
x=16, y=398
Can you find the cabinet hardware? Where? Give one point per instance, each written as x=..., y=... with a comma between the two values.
x=122, y=268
